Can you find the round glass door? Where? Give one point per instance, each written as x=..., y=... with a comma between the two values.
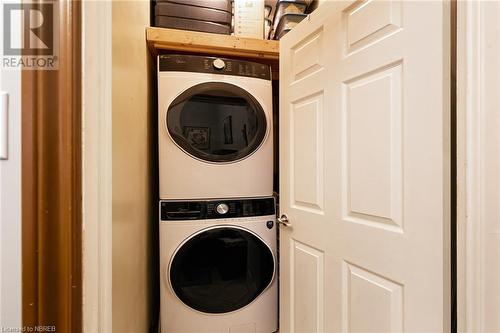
x=217, y=122
x=221, y=270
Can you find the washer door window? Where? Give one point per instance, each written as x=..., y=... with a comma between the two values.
x=217, y=122
x=221, y=270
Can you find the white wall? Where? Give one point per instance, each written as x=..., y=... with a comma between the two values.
x=10, y=197
x=10, y=207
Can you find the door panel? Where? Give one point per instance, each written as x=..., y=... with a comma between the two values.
x=369, y=21
x=308, y=288
x=307, y=155
x=307, y=56
x=372, y=147
x=364, y=156
x=371, y=302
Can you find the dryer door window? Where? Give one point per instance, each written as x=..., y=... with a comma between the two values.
x=217, y=122
x=221, y=270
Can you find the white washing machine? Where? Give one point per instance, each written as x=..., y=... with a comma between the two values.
x=215, y=128
x=218, y=266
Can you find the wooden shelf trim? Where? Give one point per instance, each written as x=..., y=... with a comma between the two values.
x=201, y=42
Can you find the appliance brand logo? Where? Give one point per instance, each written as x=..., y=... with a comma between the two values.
x=29, y=35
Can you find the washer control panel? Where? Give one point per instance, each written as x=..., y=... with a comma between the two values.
x=212, y=65
x=216, y=209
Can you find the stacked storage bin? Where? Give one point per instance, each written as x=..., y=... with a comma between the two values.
x=198, y=15
x=287, y=15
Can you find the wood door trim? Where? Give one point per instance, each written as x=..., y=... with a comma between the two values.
x=51, y=184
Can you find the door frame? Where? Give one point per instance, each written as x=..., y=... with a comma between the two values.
x=472, y=120
x=97, y=165
x=51, y=183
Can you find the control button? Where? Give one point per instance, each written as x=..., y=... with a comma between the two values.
x=222, y=208
x=219, y=64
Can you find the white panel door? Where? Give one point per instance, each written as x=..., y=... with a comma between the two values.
x=365, y=175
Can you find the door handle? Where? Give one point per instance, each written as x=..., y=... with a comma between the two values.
x=283, y=220
x=4, y=125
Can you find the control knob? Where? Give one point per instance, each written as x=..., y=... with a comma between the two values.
x=222, y=208
x=219, y=64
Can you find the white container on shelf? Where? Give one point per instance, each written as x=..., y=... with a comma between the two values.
x=249, y=18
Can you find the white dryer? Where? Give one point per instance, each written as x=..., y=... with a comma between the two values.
x=215, y=128
x=218, y=266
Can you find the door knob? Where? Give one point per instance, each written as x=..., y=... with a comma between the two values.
x=283, y=220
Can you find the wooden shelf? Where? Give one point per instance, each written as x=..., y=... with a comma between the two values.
x=211, y=44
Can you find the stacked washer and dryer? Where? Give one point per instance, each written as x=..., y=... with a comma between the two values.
x=217, y=213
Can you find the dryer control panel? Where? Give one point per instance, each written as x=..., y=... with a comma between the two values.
x=212, y=65
x=216, y=209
